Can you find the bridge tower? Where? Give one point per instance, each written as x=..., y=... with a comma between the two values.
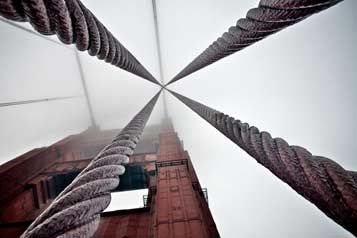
x=176, y=205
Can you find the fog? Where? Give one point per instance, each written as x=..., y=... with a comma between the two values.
x=299, y=84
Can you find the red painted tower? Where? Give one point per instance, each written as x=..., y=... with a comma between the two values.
x=176, y=205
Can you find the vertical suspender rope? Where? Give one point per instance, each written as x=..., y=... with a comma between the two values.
x=318, y=179
x=76, y=210
x=268, y=18
x=73, y=23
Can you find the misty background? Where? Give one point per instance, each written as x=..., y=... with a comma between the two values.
x=299, y=84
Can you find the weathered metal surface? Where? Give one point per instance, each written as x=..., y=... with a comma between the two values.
x=180, y=209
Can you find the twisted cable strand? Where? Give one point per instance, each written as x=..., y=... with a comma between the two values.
x=268, y=18
x=73, y=23
x=318, y=179
x=75, y=211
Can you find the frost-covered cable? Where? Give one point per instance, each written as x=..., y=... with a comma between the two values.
x=318, y=179
x=269, y=17
x=73, y=23
x=76, y=210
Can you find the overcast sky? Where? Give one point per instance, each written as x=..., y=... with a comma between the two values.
x=299, y=84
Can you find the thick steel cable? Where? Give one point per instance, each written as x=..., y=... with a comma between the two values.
x=75, y=211
x=73, y=23
x=268, y=18
x=318, y=179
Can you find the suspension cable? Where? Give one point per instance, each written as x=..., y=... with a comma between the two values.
x=73, y=23
x=268, y=18
x=76, y=210
x=6, y=104
x=318, y=179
